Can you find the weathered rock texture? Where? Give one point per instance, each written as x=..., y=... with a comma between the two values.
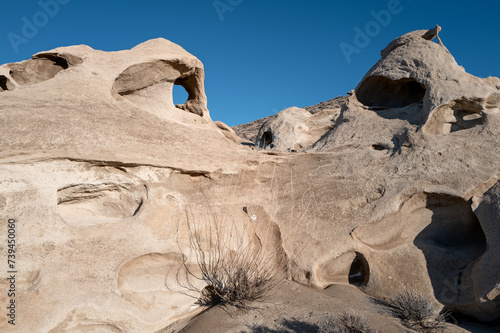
x=109, y=181
x=250, y=131
x=295, y=129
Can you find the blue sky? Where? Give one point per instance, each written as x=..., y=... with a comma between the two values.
x=259, y=56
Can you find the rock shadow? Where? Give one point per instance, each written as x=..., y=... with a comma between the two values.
x=453, y=240
x=286, y=326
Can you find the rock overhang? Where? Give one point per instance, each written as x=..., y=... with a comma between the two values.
x=414, y=69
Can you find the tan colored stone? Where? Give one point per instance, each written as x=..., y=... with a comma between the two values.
x=104, y=177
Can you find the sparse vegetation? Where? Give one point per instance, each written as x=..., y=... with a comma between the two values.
x=240, y=277
x=235, y=257
x=235, y=263
x=417, y=312
x=345, y=323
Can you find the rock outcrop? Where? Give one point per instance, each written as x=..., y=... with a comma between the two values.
x=250, y=131
x=430, y=124
x=109, y=183
x=295, y=129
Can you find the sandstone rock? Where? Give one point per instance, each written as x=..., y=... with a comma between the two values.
x=229, y=133
x=109, y=183
x=426, y=116
x=334, y=103
x=295, y=129
x=485, y=274
x=250, y=130
x=413, y=35
x=87, y=153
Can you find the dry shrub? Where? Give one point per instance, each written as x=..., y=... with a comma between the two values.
x=417, y=312
x=233, y=256
x=345, y=323
x=234, y=268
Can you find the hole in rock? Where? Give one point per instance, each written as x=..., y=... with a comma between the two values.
x=455, y=116
x=57, y=61
x=190, y=84
x=454, y=228
x=179, y=94
x=379, y=91
x=378, y=147
x=5, y=84
x=38, y=69
x=451, y=241
x=359, y=273
x=267, y=138
x=465, y=120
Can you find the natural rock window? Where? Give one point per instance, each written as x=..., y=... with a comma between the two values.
x=179, y=95
x=151, y=84
x=379, y=91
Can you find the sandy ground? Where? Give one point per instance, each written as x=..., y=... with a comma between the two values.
x=296, y=308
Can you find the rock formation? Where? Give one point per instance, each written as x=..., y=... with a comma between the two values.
x=295, y=129
x=108, y=182
x=250, y=131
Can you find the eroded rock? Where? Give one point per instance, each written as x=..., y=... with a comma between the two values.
x=110, y=183
x=295, y=129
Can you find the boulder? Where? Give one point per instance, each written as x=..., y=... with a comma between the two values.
x=295, y=129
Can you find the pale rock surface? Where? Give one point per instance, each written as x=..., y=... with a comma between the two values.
x=295, y=129
x=250, y=130
x=104, y=176
x=432, y=144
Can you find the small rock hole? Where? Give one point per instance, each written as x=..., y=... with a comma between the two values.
x=378, y=147
x=267, y=138
x=359, y=273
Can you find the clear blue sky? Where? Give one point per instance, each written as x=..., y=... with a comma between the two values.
x=259, y=56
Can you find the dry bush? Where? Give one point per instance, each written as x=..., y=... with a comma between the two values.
x=236, y=269
x=238, y=258
x=345, y=323
x=416, y=311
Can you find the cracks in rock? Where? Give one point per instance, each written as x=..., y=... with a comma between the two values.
x=459, y=280
x=138, y=208
x=122, y=166
x=87, y=204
